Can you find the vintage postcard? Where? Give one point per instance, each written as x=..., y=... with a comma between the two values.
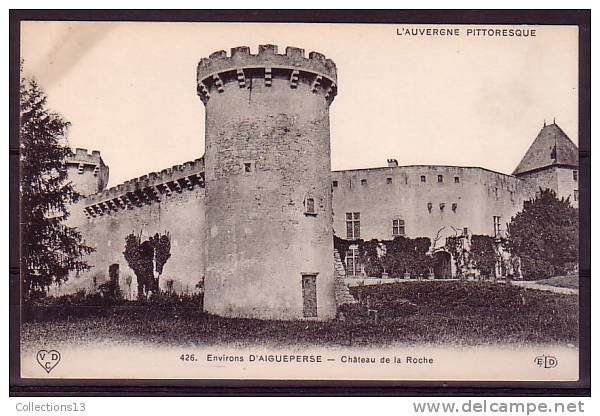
x=299, y=201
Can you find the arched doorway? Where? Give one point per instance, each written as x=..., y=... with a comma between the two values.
x=442, y=267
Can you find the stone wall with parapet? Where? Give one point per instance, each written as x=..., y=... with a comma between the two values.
x=81, y=155
x=426, y=201
x=240, y=57
x=147, y=189
x=87, y=171
x=241, y=67
x=172, y=201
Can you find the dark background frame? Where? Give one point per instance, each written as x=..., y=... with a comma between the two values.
x=153, y=387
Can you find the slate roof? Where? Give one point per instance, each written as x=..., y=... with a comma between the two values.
x=551, y=147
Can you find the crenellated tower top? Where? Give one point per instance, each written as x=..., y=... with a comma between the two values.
x=220, y=70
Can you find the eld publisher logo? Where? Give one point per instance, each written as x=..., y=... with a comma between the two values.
x=546, y=361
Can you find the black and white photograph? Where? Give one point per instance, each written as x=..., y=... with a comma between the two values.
x=300, y=201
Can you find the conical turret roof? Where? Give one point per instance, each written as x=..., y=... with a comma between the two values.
x=551, y=147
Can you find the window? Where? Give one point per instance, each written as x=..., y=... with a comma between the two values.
x=80, y=169
x=575, y=195
x=363, y=181
x=335, y=184
x=575, y=175
x=497, y=229
x=352, y=262
x=456, y=179
x=423, y=178
x=248, y=168
x=353, y=225
x=398, y=227
x=310, y=206
x=465, y=231
x=440, y=178
x=388, y=180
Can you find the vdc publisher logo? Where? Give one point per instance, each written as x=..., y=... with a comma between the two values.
x=545, y=361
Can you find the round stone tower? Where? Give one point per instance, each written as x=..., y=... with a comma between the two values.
x=269, y=243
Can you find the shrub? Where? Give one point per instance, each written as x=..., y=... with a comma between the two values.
x=402, y=255
x=352, y=311
x=535, y=269
x=545, y=233
x=370, y=259
x=483, y=254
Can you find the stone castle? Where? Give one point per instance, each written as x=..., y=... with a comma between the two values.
x=254, y=218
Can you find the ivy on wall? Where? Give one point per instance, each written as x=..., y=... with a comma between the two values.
x=474, y=253
x=146, y=258
x=395, y=257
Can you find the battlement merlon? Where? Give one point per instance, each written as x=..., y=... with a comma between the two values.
x=178, y=176
x=210, y=69
x=81, y=155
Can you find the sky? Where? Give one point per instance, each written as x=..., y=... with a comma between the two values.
x=129, y=89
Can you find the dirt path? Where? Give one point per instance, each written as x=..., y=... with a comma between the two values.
x=547, y=288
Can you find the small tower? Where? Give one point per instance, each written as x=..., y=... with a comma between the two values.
x=551, y=162
x=87, y=172
x=269, y=243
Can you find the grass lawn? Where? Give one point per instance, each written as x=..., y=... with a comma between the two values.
x=458, y=313
x=571, y=282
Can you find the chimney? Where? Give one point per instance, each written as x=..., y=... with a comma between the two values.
x=392, y=163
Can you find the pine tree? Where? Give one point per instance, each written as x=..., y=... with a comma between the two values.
x=49, y=248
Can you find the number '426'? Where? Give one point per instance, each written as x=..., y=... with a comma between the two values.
x=187, y=357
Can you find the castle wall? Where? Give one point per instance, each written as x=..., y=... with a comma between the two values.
x=398, y=193
x=260, y=238
x=178, y=209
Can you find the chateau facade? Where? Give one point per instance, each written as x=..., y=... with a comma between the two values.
x=253, y=219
